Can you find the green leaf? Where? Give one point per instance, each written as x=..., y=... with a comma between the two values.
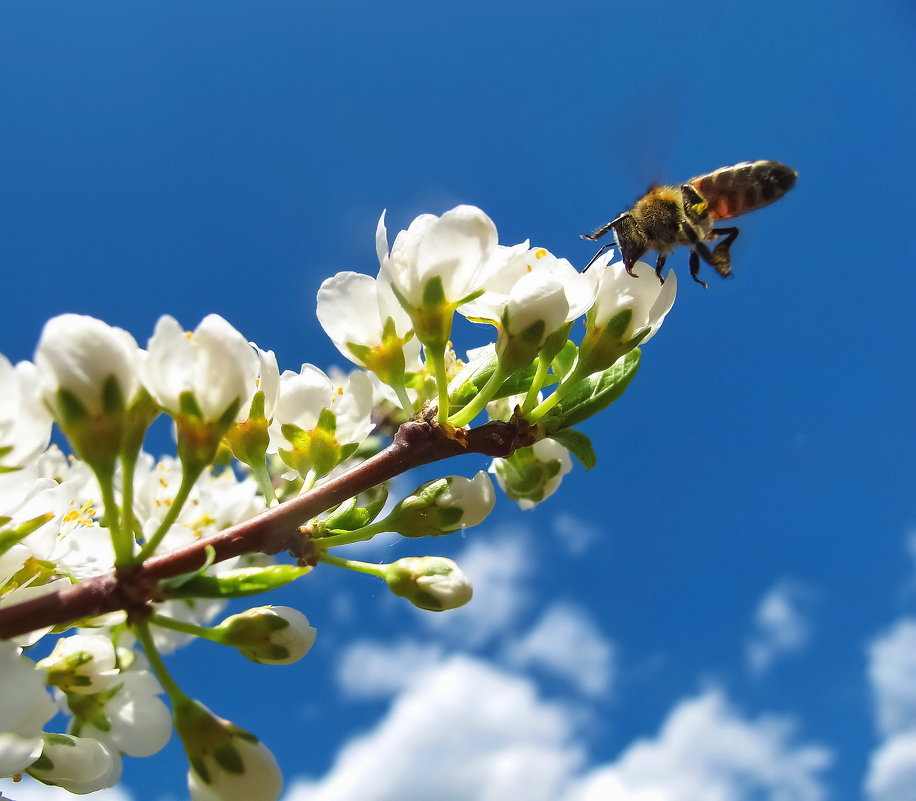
x=10, y=537
x=238, y=583
x=594, y=394
x=578, y=445
x=565, y=360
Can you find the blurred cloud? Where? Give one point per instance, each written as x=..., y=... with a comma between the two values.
x=468, y=730
x=706, y=750
x=575, y=533
x=567, y=643
x=465, y=730
x=30, y=790
x=377, y=670
x=892, y=679
x=892, y=675
x=781, y=626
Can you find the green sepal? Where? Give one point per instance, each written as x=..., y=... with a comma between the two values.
x=9, y=537
x=473, y=377
x=593, y=394
x=578, y=445
x=238, y=583
x=349, y=516
x=565, y=360
x=175, y=582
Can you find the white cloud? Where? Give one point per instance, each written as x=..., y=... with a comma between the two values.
x=499, y=570
x=576, y=533
x=567, y=643
x=707, y=752
x=466, y=731
x=892, y=673
x=780, y=626
x=377, y=670
x=892, y=773
x=30, y=790
x=463, y=731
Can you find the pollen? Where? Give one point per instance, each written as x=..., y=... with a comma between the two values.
x=163, y=482
x=540, y=253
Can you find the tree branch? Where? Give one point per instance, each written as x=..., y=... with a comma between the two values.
x=417, y=442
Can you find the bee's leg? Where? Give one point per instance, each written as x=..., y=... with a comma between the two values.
x=721, y=250
x=695, y=269
x=719, y=259
x=660, y=262
x=600, y=232
x=601, y=250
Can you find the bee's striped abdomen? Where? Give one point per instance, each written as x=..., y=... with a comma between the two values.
x=744, y=187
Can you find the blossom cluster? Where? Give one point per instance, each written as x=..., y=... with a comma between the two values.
x=249, y=439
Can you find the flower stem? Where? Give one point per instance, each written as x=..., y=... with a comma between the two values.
x=481, y=399
x=357, y=535
x=175, y=693
x=183, y=627
x=350, y=564
x=188, y=478
x=567, y=384
x=121, y=540
x=436, y=355
x=540, y=376
x=407, y=405
x=265, y=483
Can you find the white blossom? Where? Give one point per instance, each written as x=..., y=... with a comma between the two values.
x=82, y=663
x=525, y=285
x=25, y=424
x=25, y=707
x=547, y=461
x=454, y=248
x=304, y=395
x=214, y=363
x=79, y=354
x=78, y=764
x=139, y=722
x=474, y=497
x=648, y=299
x=354, y=310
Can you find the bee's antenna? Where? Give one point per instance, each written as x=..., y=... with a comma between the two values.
x=603, y=249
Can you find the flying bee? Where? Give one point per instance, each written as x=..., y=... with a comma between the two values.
x=668, y=216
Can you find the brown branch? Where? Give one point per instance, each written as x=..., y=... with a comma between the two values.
x=416, y=443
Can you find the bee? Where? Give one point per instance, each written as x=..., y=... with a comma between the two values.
x=668, y=216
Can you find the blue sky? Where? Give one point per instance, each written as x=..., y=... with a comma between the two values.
x=754, y=485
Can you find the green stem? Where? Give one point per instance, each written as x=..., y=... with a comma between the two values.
x=121, y=541
x=183, y=627
x=175, y=693
x=436, y=357
x=540, y=376
x=261, y=474
x=568, y=383
x=481, y=399
x=128, y=470
x=357, y=535
x=407, y=405
x=350, y=564
x=187, y=483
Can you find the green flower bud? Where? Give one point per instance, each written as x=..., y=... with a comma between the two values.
x=442, y=506
x=272, y=635
x=429, y=582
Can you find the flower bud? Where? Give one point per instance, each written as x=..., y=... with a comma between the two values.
x=532, y=474
x=429, y=582
x=227, y=762
x=270, y=635
x=82, y=663
x=88, y=374
x=626, y=313
x=78, y=764
x=442, y=506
